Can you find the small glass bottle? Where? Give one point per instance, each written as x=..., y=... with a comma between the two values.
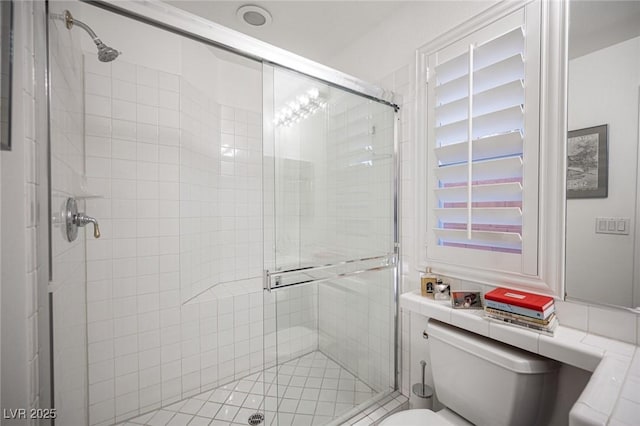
x=428, y=283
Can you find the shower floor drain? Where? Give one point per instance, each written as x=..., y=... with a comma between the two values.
x=256, y=419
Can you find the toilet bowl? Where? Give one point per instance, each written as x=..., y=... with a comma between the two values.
x=483, y=382
x=423, y=417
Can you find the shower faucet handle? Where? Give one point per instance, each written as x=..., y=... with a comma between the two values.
x=74, y=220
x=82, y=219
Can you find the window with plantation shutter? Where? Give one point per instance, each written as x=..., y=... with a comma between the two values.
x=481, y=110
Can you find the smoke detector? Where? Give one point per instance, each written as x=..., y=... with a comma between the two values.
x=254, y=16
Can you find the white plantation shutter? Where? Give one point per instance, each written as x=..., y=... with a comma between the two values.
x=482, y=101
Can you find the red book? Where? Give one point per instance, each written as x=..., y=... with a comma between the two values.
x=523, y=299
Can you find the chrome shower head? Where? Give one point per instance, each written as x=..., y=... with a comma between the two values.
x=105, y=53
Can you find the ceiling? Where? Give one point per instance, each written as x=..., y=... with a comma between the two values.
x=320, y=29
x=594, y=25
x=313, y=29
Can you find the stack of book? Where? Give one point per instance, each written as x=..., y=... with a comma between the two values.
x=522, y=309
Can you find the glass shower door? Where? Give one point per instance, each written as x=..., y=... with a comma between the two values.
x=329, y=311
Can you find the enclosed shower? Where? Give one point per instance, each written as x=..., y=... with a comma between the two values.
x=246, y=265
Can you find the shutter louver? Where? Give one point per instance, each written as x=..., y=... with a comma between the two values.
x=489, y=82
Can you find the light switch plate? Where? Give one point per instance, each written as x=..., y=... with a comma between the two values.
x=612, y=225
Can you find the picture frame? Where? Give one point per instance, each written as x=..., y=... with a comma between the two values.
x=466, y=300
x=6, y=69
x=588, y=162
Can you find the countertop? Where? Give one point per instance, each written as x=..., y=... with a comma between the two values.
x=612, y=395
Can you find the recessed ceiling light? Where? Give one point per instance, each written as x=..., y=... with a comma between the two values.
x=253, y=15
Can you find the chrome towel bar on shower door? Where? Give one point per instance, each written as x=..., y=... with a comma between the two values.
x=275, y=280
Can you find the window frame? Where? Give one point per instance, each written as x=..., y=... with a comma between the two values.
x=546, y=268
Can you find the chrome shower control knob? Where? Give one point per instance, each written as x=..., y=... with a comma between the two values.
x=82, y=219
x=74, y=219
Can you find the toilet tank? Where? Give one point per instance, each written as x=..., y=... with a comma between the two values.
x=487, y=382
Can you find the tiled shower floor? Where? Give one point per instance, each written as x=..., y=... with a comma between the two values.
x=316, y=390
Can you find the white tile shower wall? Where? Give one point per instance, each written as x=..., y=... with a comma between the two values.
x=296, y=322
x=290, y=315
x=360, y=172
x=355, y=326
x=240, y=195
x=356, y=315
x=68, y=284
x=221, y=233
x=333, y=198
x=199, y=155
x=299, y=200
x=221, y=193
x=333, y=194
x=291, y=193
x=180, y=181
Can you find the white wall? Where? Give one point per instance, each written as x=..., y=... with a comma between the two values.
x=603, y=89
x=355, y=175
x=392, y=43
x=25, y=356
x=16, y=331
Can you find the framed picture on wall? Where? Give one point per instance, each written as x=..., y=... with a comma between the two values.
x=588, y=162
x=6, y=48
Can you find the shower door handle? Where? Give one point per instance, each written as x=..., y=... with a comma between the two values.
x=75, y=219
x=274, y=280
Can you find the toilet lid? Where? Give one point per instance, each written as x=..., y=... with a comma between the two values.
x=415, y=418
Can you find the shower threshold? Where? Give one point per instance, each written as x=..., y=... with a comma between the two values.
x=306, y=398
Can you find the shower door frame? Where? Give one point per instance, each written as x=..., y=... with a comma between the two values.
x=176, y=20
x=167, y=17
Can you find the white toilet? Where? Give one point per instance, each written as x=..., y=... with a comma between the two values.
x=483, y=382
